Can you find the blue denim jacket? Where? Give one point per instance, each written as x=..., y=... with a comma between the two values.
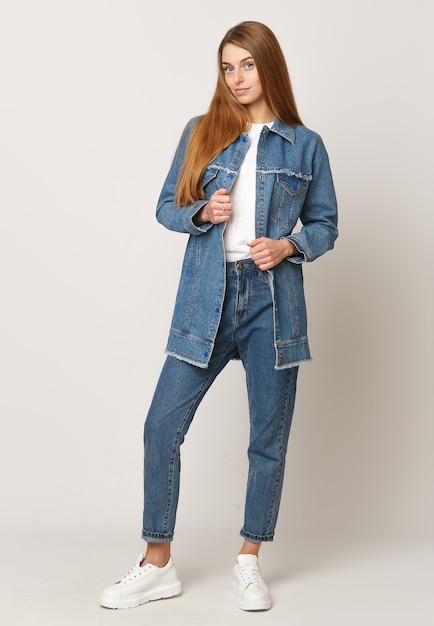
x=293, y=182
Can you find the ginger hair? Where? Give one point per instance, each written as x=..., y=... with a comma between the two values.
x=226, y=118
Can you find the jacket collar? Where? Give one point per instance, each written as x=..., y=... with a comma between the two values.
x=287, y=132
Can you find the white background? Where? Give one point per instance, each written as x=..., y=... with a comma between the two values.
x=94, y=96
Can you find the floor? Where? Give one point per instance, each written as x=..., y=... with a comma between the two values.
x=55, y=580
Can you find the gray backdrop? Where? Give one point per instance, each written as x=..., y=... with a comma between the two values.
x=94, y=96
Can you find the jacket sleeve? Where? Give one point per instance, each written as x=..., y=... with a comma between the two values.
x=170, y=214
x=319, y=214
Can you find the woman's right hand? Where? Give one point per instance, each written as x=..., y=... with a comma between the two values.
x=217, y=210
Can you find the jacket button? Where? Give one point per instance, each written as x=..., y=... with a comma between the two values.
x=217, y=309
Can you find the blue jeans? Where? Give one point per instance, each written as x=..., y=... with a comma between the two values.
x=245, y=332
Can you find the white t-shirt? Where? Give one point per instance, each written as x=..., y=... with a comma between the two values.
x=241, y=227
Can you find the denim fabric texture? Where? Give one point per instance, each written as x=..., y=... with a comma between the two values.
x=293, y=182
x=245, y=332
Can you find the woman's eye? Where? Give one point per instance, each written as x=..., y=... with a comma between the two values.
x=249, y=66
x=228, y=70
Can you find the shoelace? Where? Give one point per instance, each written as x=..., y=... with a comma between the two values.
x=133, y=572
x=250, y=576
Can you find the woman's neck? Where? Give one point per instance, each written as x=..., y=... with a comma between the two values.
x=260, y=113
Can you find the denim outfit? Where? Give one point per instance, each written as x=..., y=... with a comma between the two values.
x=293, y=182
x=227, y=311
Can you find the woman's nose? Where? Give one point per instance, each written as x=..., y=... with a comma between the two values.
x=238, y=77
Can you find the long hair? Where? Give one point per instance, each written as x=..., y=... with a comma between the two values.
x=226, y=118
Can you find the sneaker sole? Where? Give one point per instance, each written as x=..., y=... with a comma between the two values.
x=253, y=605
x=156, y=593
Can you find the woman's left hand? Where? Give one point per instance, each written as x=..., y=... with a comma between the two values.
x=267, y=253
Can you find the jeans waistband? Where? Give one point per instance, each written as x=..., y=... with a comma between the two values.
x=241, y=265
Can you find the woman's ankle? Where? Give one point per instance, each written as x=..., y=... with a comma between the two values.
x=158, y=554
x=249, y=547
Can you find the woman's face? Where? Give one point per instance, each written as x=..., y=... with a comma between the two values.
x=242, y=78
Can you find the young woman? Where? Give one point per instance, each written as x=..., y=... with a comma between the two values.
x=242, y=177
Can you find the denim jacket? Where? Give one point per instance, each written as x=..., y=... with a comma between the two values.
x=293, y=182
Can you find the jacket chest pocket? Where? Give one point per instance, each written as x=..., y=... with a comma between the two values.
x=209, y=181
x=288, y=196
x=216, y=177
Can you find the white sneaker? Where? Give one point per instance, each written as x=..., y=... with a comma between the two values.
x=141, y=585
x=249, y=587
